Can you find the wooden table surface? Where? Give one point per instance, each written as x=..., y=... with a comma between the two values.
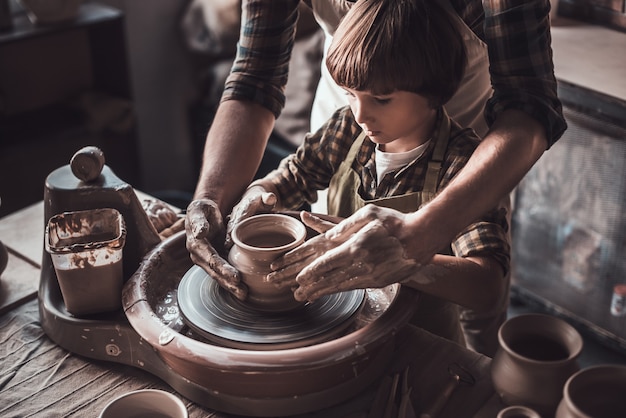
x=39, y=378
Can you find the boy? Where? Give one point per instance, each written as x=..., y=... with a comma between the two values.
x=394, y=147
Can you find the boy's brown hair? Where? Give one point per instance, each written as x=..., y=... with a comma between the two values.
x=382, y=46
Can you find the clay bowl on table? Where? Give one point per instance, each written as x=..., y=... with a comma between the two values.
x=145, y=403
x=264, y=382
x=537, y=353
x=596, y=391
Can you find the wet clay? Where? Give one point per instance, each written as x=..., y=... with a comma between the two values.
x=258, y=241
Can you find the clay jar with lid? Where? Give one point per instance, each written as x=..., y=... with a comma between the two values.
x=537, y=353
x=257, y=241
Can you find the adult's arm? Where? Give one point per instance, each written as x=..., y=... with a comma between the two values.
x=513, y=144
x=233, y=151
x=253, y=97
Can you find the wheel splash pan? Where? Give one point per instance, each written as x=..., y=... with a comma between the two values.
x=264, y=382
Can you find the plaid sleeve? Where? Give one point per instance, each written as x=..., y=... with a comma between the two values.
x=300, y=175
x=487, y=238
x=517, y=34
x=261, y=66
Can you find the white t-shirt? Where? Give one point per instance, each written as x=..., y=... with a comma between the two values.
x=391, y=161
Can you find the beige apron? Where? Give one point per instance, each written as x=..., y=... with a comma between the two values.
x=466, y=106
x=433, y=314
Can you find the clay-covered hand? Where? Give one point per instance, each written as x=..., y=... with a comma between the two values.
x=256, y=199
x=286, y=268
x=204, y=228
x=362, y=251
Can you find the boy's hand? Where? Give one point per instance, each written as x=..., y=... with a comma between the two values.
x=204, y=227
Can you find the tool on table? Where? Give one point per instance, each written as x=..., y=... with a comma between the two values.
x=391, y=401
x=458, y=375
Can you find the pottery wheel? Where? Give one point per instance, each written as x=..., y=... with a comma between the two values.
x=218, y=316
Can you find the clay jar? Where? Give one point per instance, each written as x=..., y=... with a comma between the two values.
x=596, y=391
x=537, y=353
x=517, y=411
x=257, y=241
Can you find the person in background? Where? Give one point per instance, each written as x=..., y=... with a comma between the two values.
x=394, y=146
x=509, y=77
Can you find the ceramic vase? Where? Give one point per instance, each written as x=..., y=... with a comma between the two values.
x=257, y=241
x=537, y=353
x=596, y=391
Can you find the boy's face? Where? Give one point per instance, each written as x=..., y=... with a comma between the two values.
x=399, y=121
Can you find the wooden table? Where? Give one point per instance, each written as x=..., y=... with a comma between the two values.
x=39, y=377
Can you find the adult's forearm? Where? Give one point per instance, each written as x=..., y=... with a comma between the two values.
x=233, y=151
x=513, y=145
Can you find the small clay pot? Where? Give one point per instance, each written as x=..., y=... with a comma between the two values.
x=537, y=353
x=596, y=391
x=145, y=403
x=518, y=411
x=257, y=241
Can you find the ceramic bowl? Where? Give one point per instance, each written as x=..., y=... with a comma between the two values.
x=596, y=391
x=145, y=403
x=518, y=411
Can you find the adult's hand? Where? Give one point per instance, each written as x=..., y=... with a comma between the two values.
x=204, y=226
x=362, y=251
x=256, y=199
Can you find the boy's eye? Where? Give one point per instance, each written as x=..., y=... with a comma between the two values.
x=382, y=100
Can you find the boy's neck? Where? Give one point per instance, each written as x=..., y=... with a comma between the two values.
x=421, y=137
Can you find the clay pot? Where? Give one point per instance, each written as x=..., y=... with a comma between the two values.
x=596, y=391
x=518, y=411
x=257, y=241
x=536, y=355
x=145, y=403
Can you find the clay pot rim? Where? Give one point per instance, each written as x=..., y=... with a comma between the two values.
x=298, y=227
x=598, y=368
x=571, y=331
x=531, y=413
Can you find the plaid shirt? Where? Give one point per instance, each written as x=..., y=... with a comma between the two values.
x=517, y=34
x=311, y=167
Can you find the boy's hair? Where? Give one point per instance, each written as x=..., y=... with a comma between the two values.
x=382, y=46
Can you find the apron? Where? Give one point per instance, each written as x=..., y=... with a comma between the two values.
x=466, y=106
x=433, y=314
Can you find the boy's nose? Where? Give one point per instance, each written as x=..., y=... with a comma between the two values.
x=361, y=112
